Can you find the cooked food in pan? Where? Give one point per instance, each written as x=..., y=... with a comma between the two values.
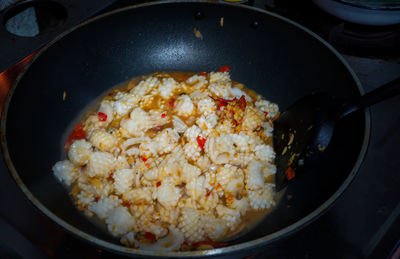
x=174, y=161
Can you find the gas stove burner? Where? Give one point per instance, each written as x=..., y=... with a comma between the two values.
x=366, y=40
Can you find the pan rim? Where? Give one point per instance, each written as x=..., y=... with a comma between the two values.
x=265, y=240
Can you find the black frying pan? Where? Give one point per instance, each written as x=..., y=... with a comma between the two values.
x=270, y=54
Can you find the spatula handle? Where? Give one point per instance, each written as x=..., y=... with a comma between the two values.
x=382, y=93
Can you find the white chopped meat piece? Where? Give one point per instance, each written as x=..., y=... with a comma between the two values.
x=262, y=198
x=138, y=123
x=103, y=207
x=148, y=149
x=172, y=242
x=123, y=180
x=197, y=81
x=192, y=150
x=124, y=103
x=100, y=164
x=65, y=171
x=84, y=198
x=144, y=87
x=231, y=179
x=269, y=169
x=211, y=180
x=220, y=149
x=189, y=172
x=230, y=216
x=242, y=205
x=190, y=225
x=129, y=240
x=120, y=221
x=252, y=119
x=268, y=129
x=167, y=194
x=192, y=133
x=107, y=108
x=254, y=176
x=103, y=140
x=141, y=195
x=166, y=140
x=219, y=77
x=79, y=152
x=121, y=163
x=203, y=162
x=220, y=84
x=236, y=92
x=184, y=106
x=179, y=125
x=206, y=106
x=195, y=187
x=269, y=107
x=134, y=141
x=264, y=153
x=167, y=87
x=215, y=228
x=207, y=123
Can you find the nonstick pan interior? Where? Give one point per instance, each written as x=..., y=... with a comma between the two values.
x=270, y=55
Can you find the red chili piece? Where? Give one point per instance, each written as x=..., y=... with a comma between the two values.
x=207, y=242
x=242, y=103
x=102, y=116
x=150, y=236
x=144, y=159
x=209, y=193
x=126, y=204
x=111, y=176
x=77, y=133
x=158, y=184
x=224, y=69
x=97, y=199
x=171, y=103
x=203, y=73
x=266, y=114
x=201, y=141
x=163, y=115
x=289, y=173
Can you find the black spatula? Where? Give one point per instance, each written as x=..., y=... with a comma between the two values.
x=303, y=132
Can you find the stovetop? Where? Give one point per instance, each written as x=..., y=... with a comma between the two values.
x=363, y=223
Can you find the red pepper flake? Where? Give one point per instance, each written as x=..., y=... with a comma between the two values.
x=111, y=176
x=266, y=114
x=209, y=193
x=224, y=69
x=242, y=103
x=229, y=198
x=289, y=173
x=147, y=165
x=221, y=104
x=201, y=141
x=150, y=236
x=144, y=159
x=207, y=242
x=102, y=116
x=203, y=73
x=171, y=103
x=163, y=115
x=157, y=127
x=158, y=184
x=126, y=204
x=77, y=133
x=97, y=199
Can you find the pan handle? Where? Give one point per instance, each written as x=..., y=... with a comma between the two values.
x=14, y=48
x=382, y=93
